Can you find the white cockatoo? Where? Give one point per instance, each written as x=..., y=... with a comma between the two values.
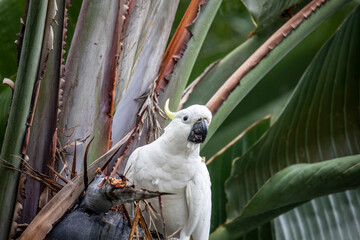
x=172, y=164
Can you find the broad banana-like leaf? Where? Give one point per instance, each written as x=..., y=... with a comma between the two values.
x=216, y=74
x=219, y=167
x=146, y=35
x=174, y=71
x=144, y=41
x=88, y=91
x=331, y=217
x=265, y=58
x=17, y=124
x=185, y=60
x=320, y=218
x=319, y=123
x=336, y=175
x=271, y=93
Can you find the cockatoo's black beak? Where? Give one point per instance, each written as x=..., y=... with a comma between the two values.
x=199, y=131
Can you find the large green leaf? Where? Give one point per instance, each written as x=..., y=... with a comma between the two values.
x=274, y=88
x=303, y=181
x=216, y=74
x=290, y=187
x=219, y=167
x=270, y=95
x=185, y=64
x=15, y=131
x=330, y=217
x=319, y=123
x=251, y=78
x=230, y=27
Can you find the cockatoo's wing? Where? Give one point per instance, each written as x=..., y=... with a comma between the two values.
x=198, y=198
x=193, y=200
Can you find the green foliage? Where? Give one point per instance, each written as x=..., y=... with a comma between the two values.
x=10, y=13
x=180, y=76
x=220, y=168
x=15, y=131
x=310, y=148
x=5, y=99
x=278, y=81
x=231, y=27
x=318, y=124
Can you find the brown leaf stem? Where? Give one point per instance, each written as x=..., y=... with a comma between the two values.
x=178, y=44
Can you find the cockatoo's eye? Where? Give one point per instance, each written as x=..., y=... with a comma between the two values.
x=185, y=118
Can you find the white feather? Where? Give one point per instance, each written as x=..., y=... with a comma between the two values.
x=172, y=164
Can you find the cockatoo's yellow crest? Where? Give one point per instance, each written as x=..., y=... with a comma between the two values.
x=169, y=113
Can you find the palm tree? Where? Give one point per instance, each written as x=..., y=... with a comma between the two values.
x=290, y=175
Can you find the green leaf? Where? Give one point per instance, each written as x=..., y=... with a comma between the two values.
x=304, y=181
x=230, y=27
x=184, y=66
x=270, y=95
x=264, y=12
x=219, y=167
x=293, y=186
x=216, y=74
x=255, y=75
x=10, y=13
x=5, y=99
x=330, y=217
x=15, y=131
x=318, y=124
